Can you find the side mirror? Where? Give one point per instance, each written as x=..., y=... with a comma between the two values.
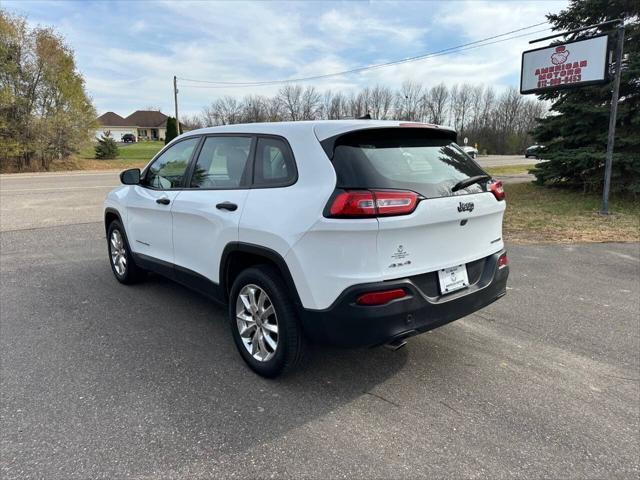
x=130, y=177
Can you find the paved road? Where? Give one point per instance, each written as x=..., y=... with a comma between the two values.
x=501, y=160
x=46, y=199
x=103, y=380
x=49, y=199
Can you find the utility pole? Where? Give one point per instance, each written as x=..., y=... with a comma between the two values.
x=175, y=100
x=613, y=114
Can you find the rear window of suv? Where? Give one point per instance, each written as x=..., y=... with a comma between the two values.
x=423, y=160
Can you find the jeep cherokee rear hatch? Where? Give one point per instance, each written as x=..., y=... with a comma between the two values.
x=436, y=208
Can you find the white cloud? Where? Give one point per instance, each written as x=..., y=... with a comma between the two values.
x=130, y=63
x=480, y=19
x=355, y=27
x=138, y=26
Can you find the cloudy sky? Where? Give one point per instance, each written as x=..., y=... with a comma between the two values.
x=129, y=51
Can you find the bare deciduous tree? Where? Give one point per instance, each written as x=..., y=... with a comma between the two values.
x=254, y=109
x=311, y=103
x=192, y=122
x=380, y=102
x=291, y=99
x=498, y=124
x=273, y=109
x=437, y=104
x=224, y=111
x=408, y=101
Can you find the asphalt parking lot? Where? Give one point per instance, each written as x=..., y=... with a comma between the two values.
x=99, y=380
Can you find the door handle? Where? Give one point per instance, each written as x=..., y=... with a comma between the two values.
x=163, y=201
x=232, y=207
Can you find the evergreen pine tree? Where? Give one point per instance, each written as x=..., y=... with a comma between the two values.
x=172, y=130
x=575, y=132
x=107, y=147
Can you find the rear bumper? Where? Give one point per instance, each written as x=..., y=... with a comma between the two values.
x=350, y=325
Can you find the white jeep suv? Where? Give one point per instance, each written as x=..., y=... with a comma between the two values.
x=357, y=233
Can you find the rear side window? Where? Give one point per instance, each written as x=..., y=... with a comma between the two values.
x=421, y=160
x=274, y=163
x=221, y=163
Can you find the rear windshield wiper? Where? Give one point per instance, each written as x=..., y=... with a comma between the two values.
x=469, y=181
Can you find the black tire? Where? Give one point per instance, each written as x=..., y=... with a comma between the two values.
x=132, y=272
x=290, y=340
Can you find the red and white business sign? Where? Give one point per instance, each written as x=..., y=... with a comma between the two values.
x=572, y=64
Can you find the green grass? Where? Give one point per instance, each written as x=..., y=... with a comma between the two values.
x=543, y=214
x=131, y=155
x=508, y=170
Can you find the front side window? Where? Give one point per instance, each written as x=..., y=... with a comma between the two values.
x=168, y=170
x=274, y=163
x=222, y=163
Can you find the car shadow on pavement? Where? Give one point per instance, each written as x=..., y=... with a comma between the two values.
x=99, y=377
x=200, y=383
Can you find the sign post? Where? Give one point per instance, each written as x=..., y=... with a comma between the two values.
x=575, y=64
x=613, y=114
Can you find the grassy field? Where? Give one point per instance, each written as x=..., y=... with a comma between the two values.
x=131, y=155
x=508, y=170
x=542, y=214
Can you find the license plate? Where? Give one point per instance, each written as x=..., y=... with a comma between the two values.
x=453, y=278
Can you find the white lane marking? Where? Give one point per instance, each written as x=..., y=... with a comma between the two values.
x=54, y=188
x=622, y=255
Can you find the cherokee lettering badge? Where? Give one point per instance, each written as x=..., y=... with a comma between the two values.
x=465, y=207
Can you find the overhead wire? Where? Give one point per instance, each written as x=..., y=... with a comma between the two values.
x=458, y=48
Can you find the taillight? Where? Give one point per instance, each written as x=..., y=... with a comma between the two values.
x=395, y=203
x=497, y=189
x=353, y=204
x=376, y=203
x=503, y=261
x=380, y=298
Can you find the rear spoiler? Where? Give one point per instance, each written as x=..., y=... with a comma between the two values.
x=329, y=144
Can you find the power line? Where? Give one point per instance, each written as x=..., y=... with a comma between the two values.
x=435, y=54
x=462, y=47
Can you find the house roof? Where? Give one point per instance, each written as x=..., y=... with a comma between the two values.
x=111, y=119
x=147, y=118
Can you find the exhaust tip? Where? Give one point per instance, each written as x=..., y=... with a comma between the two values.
x=396, y=344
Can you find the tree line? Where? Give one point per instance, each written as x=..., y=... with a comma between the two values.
x=499, y=123
x=45, y=112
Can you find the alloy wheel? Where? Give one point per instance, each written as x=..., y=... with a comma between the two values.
x=257, y=322
x=118, y=252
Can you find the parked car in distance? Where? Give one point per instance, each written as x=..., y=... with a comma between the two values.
x=534, y=151
x=129, y=138
x=355, y=233
x=471, y=151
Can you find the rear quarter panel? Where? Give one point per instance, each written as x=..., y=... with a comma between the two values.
x=277, y=218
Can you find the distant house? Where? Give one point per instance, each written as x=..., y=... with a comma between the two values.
x=143, y=124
